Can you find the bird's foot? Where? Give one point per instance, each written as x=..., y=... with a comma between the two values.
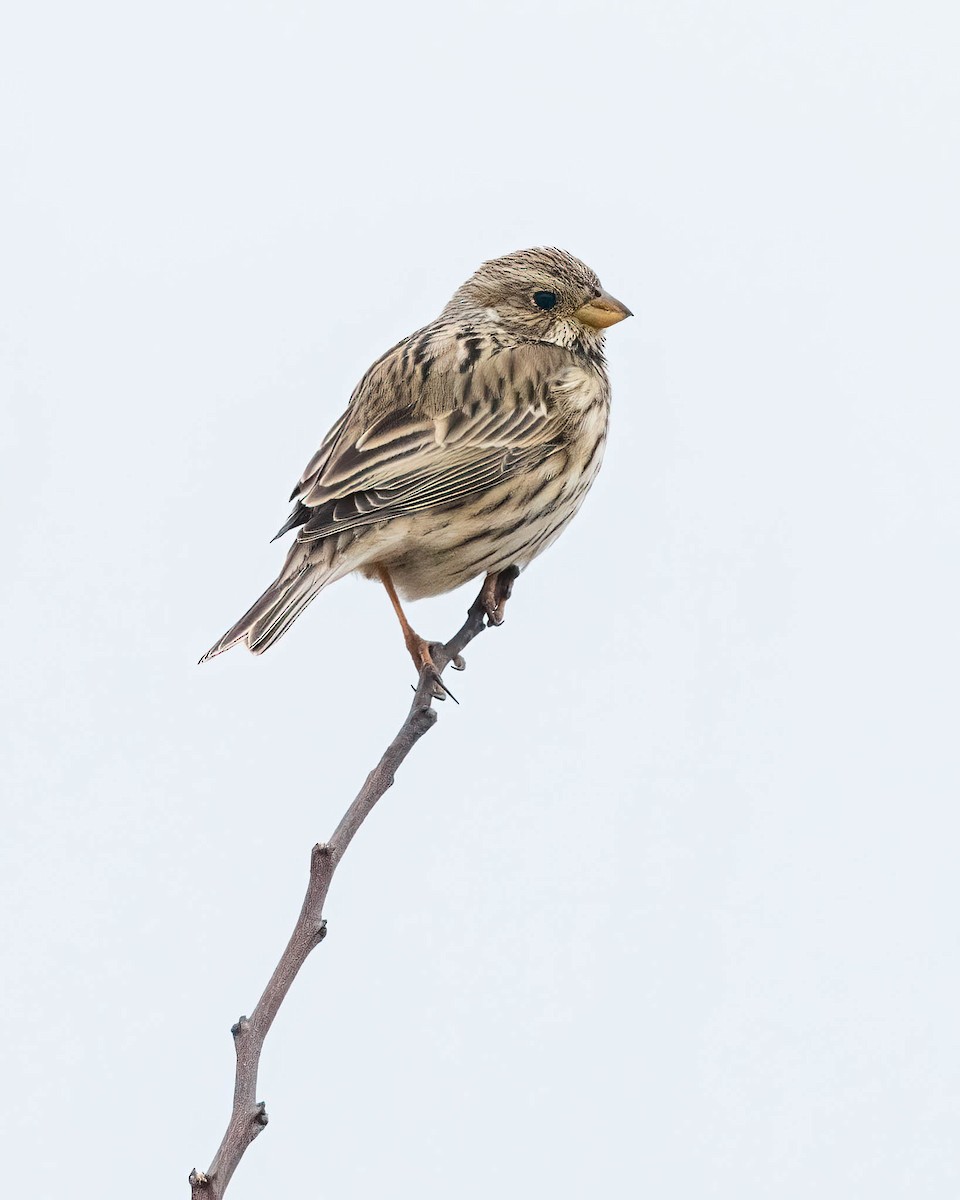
x=421, y=651
x=497, y=590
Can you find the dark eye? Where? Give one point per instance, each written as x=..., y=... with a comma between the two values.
x=544, y=299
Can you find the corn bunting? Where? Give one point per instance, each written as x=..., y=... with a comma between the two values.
x=464, y=450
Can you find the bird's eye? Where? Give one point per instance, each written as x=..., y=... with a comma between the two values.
x=545, y=299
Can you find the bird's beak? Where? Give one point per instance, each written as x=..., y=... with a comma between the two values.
x=602, y=311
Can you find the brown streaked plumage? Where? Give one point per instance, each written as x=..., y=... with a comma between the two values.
x=464, y=450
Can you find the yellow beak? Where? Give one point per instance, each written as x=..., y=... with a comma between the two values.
x=602, y=311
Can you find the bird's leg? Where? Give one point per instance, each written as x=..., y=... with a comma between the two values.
x=418, y=647
x=497, y=589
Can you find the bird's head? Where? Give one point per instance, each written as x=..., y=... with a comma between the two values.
x=543, y=294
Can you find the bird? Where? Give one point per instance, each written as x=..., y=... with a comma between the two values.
x=465, y=450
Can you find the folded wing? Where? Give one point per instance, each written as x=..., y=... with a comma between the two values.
x=447, y=435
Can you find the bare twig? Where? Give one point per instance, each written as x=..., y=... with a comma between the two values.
x=249, y=1115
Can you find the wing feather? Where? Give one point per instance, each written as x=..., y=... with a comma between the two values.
x=462, y=434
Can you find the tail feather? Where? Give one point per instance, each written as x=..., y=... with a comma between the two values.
x=271, y=616
x=275, y=623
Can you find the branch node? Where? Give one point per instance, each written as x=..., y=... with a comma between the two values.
x=320, y=857
x=425, y=716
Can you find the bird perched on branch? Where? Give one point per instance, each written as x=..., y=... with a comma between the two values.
x=464, y=450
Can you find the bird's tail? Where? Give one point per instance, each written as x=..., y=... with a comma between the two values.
x=304, y=575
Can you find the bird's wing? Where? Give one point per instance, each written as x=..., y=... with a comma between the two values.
x=447, y=434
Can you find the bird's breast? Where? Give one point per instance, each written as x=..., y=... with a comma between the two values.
x=581, y=389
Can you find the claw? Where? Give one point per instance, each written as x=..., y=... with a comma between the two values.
x=439, y=691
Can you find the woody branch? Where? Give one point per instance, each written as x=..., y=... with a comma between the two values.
x=248, y=1115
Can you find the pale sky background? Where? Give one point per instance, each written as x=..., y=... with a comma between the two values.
x=669, y=906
